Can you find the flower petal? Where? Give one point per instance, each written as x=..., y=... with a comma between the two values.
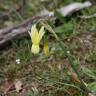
x=34, y=35
x=41, y=32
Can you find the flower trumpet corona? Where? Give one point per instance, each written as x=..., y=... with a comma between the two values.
x=36, y=37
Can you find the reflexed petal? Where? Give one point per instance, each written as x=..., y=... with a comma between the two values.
x=41, y=33
x=33, y=28
x=35, y=49
x=34, y=35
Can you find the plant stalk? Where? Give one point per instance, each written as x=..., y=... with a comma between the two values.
x=68, y=55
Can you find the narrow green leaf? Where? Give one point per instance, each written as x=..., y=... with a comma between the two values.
x=66, y=29
x=89, y=72
x=92, y=87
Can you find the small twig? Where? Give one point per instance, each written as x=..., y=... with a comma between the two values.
x=87, y=17
x=9, y=33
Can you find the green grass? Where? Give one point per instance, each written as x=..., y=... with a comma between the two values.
x=53, y=76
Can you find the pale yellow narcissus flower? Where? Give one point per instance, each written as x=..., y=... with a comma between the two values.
x=36, y=37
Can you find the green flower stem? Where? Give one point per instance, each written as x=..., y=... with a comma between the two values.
x=68, y=55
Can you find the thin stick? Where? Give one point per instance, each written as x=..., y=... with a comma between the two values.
x=88, y=17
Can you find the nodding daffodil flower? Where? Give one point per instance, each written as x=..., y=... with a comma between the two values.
x=36, y=37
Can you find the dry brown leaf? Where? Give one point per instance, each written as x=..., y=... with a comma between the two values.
x=73, y=75
x=23, y=93
x=7, y=86
x=34, y=87
x=75, y=78
x=18, y=85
